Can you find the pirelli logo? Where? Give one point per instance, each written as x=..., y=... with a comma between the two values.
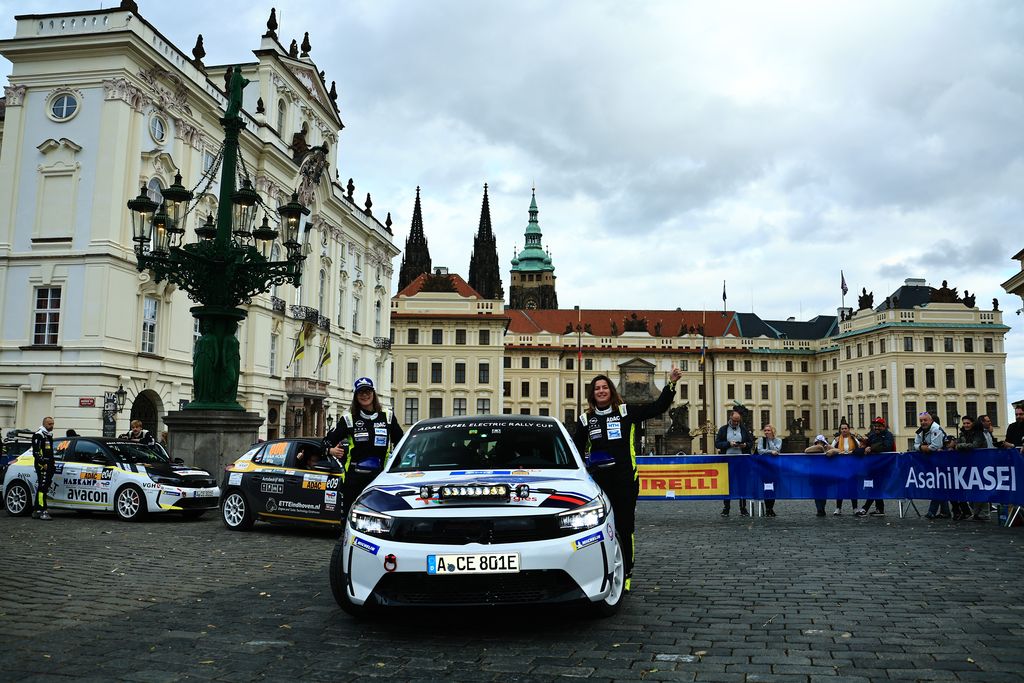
x=684, y=480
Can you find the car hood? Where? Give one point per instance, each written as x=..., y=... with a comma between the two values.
x=175, y=471
x=550, y=490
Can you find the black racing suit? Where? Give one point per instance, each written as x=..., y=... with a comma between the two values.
x=145, y=437
x=42, y=459
x=363, y=436
x=614, y=432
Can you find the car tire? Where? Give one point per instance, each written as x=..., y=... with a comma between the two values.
x=192, y=514
x=130, y=503
x=236, y=511
x=613, y=602
x=18, y=499
x=339, y=583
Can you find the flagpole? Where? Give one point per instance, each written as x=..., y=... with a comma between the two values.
x=704, y=378
x=842, y=288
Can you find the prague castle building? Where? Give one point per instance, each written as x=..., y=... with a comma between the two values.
x=922, y=348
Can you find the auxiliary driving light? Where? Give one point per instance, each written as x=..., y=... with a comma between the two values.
x=498, y=491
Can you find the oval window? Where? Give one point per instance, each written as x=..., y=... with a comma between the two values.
x=63, y=107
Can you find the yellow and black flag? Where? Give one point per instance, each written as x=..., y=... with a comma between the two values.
x=325, y=353
x=300, y=343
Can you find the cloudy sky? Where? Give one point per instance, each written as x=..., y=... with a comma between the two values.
x=675, y=145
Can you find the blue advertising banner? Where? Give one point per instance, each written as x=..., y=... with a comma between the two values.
x=993, y=476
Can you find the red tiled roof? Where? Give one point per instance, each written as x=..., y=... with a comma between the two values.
x=462, y=287
x=555, y=321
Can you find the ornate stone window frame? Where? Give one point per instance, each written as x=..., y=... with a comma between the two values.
x=158, y=119
x=57, y=95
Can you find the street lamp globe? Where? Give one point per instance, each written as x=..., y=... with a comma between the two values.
x=161, y=235
x=265, y=236
x=120, y=396
x=208, y=230
x=292, y=213
x=142, y=209
x=176, y=200
x=243, y=207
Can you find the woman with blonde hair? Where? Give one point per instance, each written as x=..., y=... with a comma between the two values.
x=768, y=444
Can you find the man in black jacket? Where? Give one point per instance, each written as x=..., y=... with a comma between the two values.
x=734, y=438
x=1015, y=432
x=878, y=440
x=42, y=459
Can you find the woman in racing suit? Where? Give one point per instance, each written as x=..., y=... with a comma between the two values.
x=607, y=430
x=362, y=441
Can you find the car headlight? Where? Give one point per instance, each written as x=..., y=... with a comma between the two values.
x=169, y=481
x=365, y=520
x=586, y=516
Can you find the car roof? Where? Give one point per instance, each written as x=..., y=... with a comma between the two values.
x=100, y=439
x=490, y=419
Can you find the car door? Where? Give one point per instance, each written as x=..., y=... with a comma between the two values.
x=86, y=476
x=64, y=466
x=265, y=484
x=297, y=501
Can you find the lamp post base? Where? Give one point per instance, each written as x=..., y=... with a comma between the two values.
x=211, y=439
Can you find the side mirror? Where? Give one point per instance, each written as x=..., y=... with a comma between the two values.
x=179, y=461
x=369, y=466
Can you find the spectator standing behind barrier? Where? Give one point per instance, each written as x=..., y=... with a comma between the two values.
x=607, y=428
x=845, y=444
x=985, y=425
x=970, y=438
x=768, y=444
x=42, y=459
x=1015, y=432
x=878, y=440
x=734, y=438
x=820, y=445
x=928, y=439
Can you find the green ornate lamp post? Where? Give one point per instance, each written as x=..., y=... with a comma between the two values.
x=227, y=266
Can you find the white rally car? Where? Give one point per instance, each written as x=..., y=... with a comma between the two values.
x=128, y=478
x=492, y=510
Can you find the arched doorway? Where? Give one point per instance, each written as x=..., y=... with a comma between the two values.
x=147, y=407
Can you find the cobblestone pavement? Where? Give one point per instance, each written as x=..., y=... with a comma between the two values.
x=795, y=598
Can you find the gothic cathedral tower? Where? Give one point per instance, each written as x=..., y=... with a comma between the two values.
x=416, y=259
x=484, y=269
x=533, y=275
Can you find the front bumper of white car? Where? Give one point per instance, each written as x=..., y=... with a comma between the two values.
x=381, y=571
x=178, y=498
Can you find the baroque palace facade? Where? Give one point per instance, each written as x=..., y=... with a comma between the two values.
x=923, y=348
x=101, y=103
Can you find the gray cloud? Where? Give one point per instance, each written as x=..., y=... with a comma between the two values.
x=770, y=144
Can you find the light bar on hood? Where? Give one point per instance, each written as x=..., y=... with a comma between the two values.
x=466, y=492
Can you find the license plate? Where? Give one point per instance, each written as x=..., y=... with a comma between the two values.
x=480, y=563
x=200, y=493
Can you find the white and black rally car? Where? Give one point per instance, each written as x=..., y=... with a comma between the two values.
x=489, y=510
x=96, y=474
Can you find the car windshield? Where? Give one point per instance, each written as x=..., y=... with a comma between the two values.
x=134, y=452
x=484, y=445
